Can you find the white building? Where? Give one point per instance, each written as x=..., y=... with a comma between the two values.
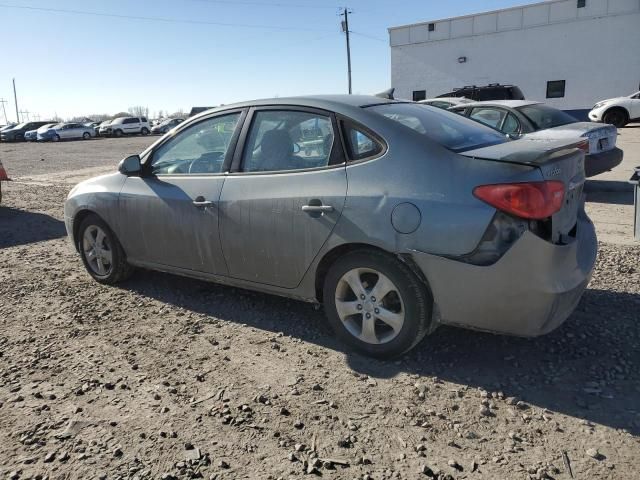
x=589, y=49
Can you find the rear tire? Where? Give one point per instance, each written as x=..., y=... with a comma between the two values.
x=383, y=327
x=616, y=116
x=144, y=131
x=86, y=136
x=101, y=252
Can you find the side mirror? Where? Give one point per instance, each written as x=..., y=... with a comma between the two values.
x=513, y=136
x=130, y=165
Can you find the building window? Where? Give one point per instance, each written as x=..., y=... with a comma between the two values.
x=582, y=3
x=419, y=95
x=555, y=89
x=432, y=27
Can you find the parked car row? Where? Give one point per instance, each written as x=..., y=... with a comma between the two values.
x=445, y=220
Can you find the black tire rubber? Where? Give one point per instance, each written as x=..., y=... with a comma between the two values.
x=616, y=116
x=56, y=138
x=117, y=133
x=86, y=136
x=121, y=270
x=415, y=295
x=144, y=131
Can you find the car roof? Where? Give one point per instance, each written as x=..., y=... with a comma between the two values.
x=447, y=99
x=504, y=103
x=337, y=103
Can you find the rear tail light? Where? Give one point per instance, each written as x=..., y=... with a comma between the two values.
x=584, y=146
x=532, y=200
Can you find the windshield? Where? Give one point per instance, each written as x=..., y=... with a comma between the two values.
x=542, y=116
x=635, y=95
x=106, y=122
x=166, y=122
x=21, y=125
x=450, y=130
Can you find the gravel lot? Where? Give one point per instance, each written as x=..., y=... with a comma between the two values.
x=165, y=377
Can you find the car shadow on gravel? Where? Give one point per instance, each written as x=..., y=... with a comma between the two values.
x=21, y=227
x=587, y=368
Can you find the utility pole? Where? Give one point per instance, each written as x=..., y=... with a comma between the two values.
x=345, y=29
x=4, y=111
x=15, y=97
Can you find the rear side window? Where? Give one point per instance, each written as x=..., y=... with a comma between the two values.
x=144, y=119
x=455, y=132
x=360, y=144
x=131, y=120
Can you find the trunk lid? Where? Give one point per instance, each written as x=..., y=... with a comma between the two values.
x=558, y=160
x=601, y=137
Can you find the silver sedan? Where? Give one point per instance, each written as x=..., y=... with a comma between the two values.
x=396, y=216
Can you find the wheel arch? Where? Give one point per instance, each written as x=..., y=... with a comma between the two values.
x=79, y=217
x=335, y=253
x=616, y=107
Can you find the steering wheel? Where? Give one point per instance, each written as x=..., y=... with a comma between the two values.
x=205, y=162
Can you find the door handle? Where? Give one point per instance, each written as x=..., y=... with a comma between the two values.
x=201, y=202
x=317, y=208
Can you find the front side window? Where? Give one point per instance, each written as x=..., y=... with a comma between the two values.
x=288, y=140
x=489, y=116
x=455, y=132
x=199, y=149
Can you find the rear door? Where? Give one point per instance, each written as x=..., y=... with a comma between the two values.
x=284, y=195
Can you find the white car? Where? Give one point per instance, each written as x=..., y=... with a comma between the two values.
x=126, y=126
x=445, y=102
x=617, y=111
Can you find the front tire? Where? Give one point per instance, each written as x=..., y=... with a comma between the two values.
x=376, y=304
x=101, y=252
x=616, y=116
x=117, y=133
x=56, y=138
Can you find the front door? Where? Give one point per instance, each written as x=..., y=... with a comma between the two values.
x=169, y=214
x=283, y=199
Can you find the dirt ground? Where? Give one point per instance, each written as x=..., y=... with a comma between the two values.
x=169, y=378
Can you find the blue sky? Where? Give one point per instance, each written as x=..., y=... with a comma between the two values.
x=76, y=64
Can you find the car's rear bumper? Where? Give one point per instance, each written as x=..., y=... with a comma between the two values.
x=597, y=163
x=530, y=291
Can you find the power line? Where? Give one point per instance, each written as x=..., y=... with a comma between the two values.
x=268, y=4
x=371, y=37
x=160, y=19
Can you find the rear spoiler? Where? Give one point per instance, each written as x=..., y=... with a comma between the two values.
x=528, y=151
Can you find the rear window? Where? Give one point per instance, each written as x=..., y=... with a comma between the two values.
x=452, y=131
x=542, y=116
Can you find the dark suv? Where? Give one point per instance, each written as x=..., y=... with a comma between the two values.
x=493, y=91
x=16, y=134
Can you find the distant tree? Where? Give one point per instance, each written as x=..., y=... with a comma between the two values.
x=139, y=111
x=121, y=114
x=177, y=114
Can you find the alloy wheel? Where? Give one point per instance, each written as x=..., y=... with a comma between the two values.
x=97, y=250
x=369, y=306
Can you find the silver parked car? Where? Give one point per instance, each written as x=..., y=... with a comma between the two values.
x=397, y=216
x=535, y=120
x=67, y=131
